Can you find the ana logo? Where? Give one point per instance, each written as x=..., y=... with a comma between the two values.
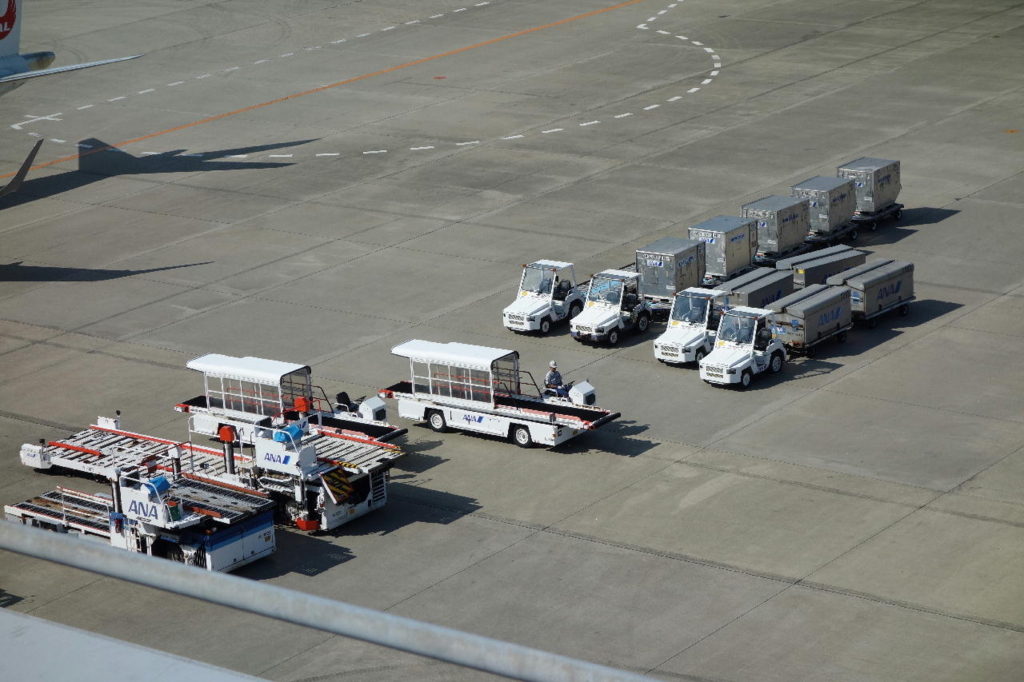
x=829, y=316
x=276, y=459
x=471, y=419
x=839, y=197
x=890, y=290
x=684, y=263
x=651, y=263
x=737, y=238
x=8, y=18
x=771, y=297
x=141, y=508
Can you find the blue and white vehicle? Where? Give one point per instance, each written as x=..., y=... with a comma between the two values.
x=476, y=388
x=692, y=325
x=548, y=293
x=744, y=347
x=613, y=307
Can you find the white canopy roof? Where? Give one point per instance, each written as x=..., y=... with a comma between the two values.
x=554, y=264
x=247, y=368
x=623, y=274
x=458, y=354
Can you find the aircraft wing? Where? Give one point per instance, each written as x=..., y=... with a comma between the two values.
x=14, y=184
x=62, y=69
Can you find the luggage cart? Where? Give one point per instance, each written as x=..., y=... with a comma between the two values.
x=871, y=321
x=871, y=220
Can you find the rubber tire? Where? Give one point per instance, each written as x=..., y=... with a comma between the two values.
x=575, y=309
x=699, y=355
x=853, y=235
x=613, y=337
x=841, y=337
x=746, y=379
x=643, y=323
x=811, y=352
x=872, y=323
x=520, y=435
x=437, y=421
x=545, y=326
x=898, y=214
x=904, y=310
x=873, y=225
x=772, y=369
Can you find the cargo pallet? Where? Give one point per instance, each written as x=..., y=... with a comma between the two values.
x=871, y=220
x=811, y=349
x=849, y=231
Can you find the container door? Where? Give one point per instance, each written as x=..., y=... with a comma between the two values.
x=655, y=274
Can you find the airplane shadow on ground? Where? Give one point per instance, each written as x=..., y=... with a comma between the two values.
x=19, y=272
x=100, y=161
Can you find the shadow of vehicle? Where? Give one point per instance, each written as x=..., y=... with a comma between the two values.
x=892, y=231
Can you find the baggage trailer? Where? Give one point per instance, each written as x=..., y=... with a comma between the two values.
x=877, y=184
x=196, y=522
x=731, y=247
x=809, y=317
x=878, y=287
x=744, y=348
x=481, y=389
x=794, y=262
x=818, y=270
x=548, y=293
x=613, y=307
x=669, y=265
x=692, y=326
x=782, y=225
x=758, y=288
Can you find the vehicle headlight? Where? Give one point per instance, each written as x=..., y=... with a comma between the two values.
x=687, y=349
x=730, y=371
x=599, y=330
x=532, y=318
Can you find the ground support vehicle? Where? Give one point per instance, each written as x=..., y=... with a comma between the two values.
x=744, y=348
x=548, y=293
x=613, y=307
x=871, y=219
x=876, y=288
x=810, y=316
x=183, y=518
x=692, y=326
x=475, y=388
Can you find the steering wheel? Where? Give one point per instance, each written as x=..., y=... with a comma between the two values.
x=729, y=334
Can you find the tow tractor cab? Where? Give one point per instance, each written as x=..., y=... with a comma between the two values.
x=548, y=293
x=692, y=325
x=744, y=346
x=482, y=389
x=614, y=306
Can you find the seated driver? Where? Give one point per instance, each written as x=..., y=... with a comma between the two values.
x=553, y=381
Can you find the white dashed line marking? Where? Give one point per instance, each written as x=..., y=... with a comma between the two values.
x=709, y=50
x=239, y=156
x=194, y=156
x=652, y=18
x=171, y=85
x=288, y=54
x=589, y=123
x=54, y=139
x=513, y=137
x=642, y=26
x=82, y=145
x=151, y=153
x=377, y=151
x=414, y=21
x=418, y=149
x=463, y=144
x=706, y=81
x=115, y=99
x=233, y=68
x=86, y=106
x=693, y=90
x=481, y=4
x=714, y=73
x=280, y=156
x=330, y=154
x=662, y=12
x=315, y=47
x=143, y=92
x=461, y=9
x=682, y=37
x=435, y=16
x=716, y=57
x=389, y=28
x=363, y=35
x=553, y=130
x=624, y=115
x=664, y=33
x=697, y=43
x=673, y=99
x=652, y=106
x=205, y=75
x=261, y=61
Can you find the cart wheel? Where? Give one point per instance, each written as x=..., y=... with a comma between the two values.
x=775, y=366
x=811, y=352
x=841, y=337
x=521, y=436
x=545, y=325
x=643, y=323
x=854, y=234
x=437, y=421
x=898, y=214
x=873, y=225
x=904, y=310
x=872, y=323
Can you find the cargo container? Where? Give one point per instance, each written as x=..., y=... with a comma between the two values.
x=878, y=287
x=792, y=262
x=669, y=265
x=810, y=316
x=820, y=269
x=758, y=288
x=832, y=202
x=731, y=244
x=782, y=222
x=876, y=182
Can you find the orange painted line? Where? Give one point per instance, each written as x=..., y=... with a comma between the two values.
x=335, y=85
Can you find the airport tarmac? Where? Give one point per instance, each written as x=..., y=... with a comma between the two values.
x=319, y=181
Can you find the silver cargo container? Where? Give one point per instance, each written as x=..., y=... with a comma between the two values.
x=782, y=222
x=803, y=318
x=817, y=271
x=731, y=243
x=876, y=181
x=669, y=265
x=758, y=288
x=877, y=285
x=833, y=201
x=794, y=261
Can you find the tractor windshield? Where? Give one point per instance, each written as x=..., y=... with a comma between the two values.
x=537, y=282
x=606, y=291
x=690, y=310
x=737, y=328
